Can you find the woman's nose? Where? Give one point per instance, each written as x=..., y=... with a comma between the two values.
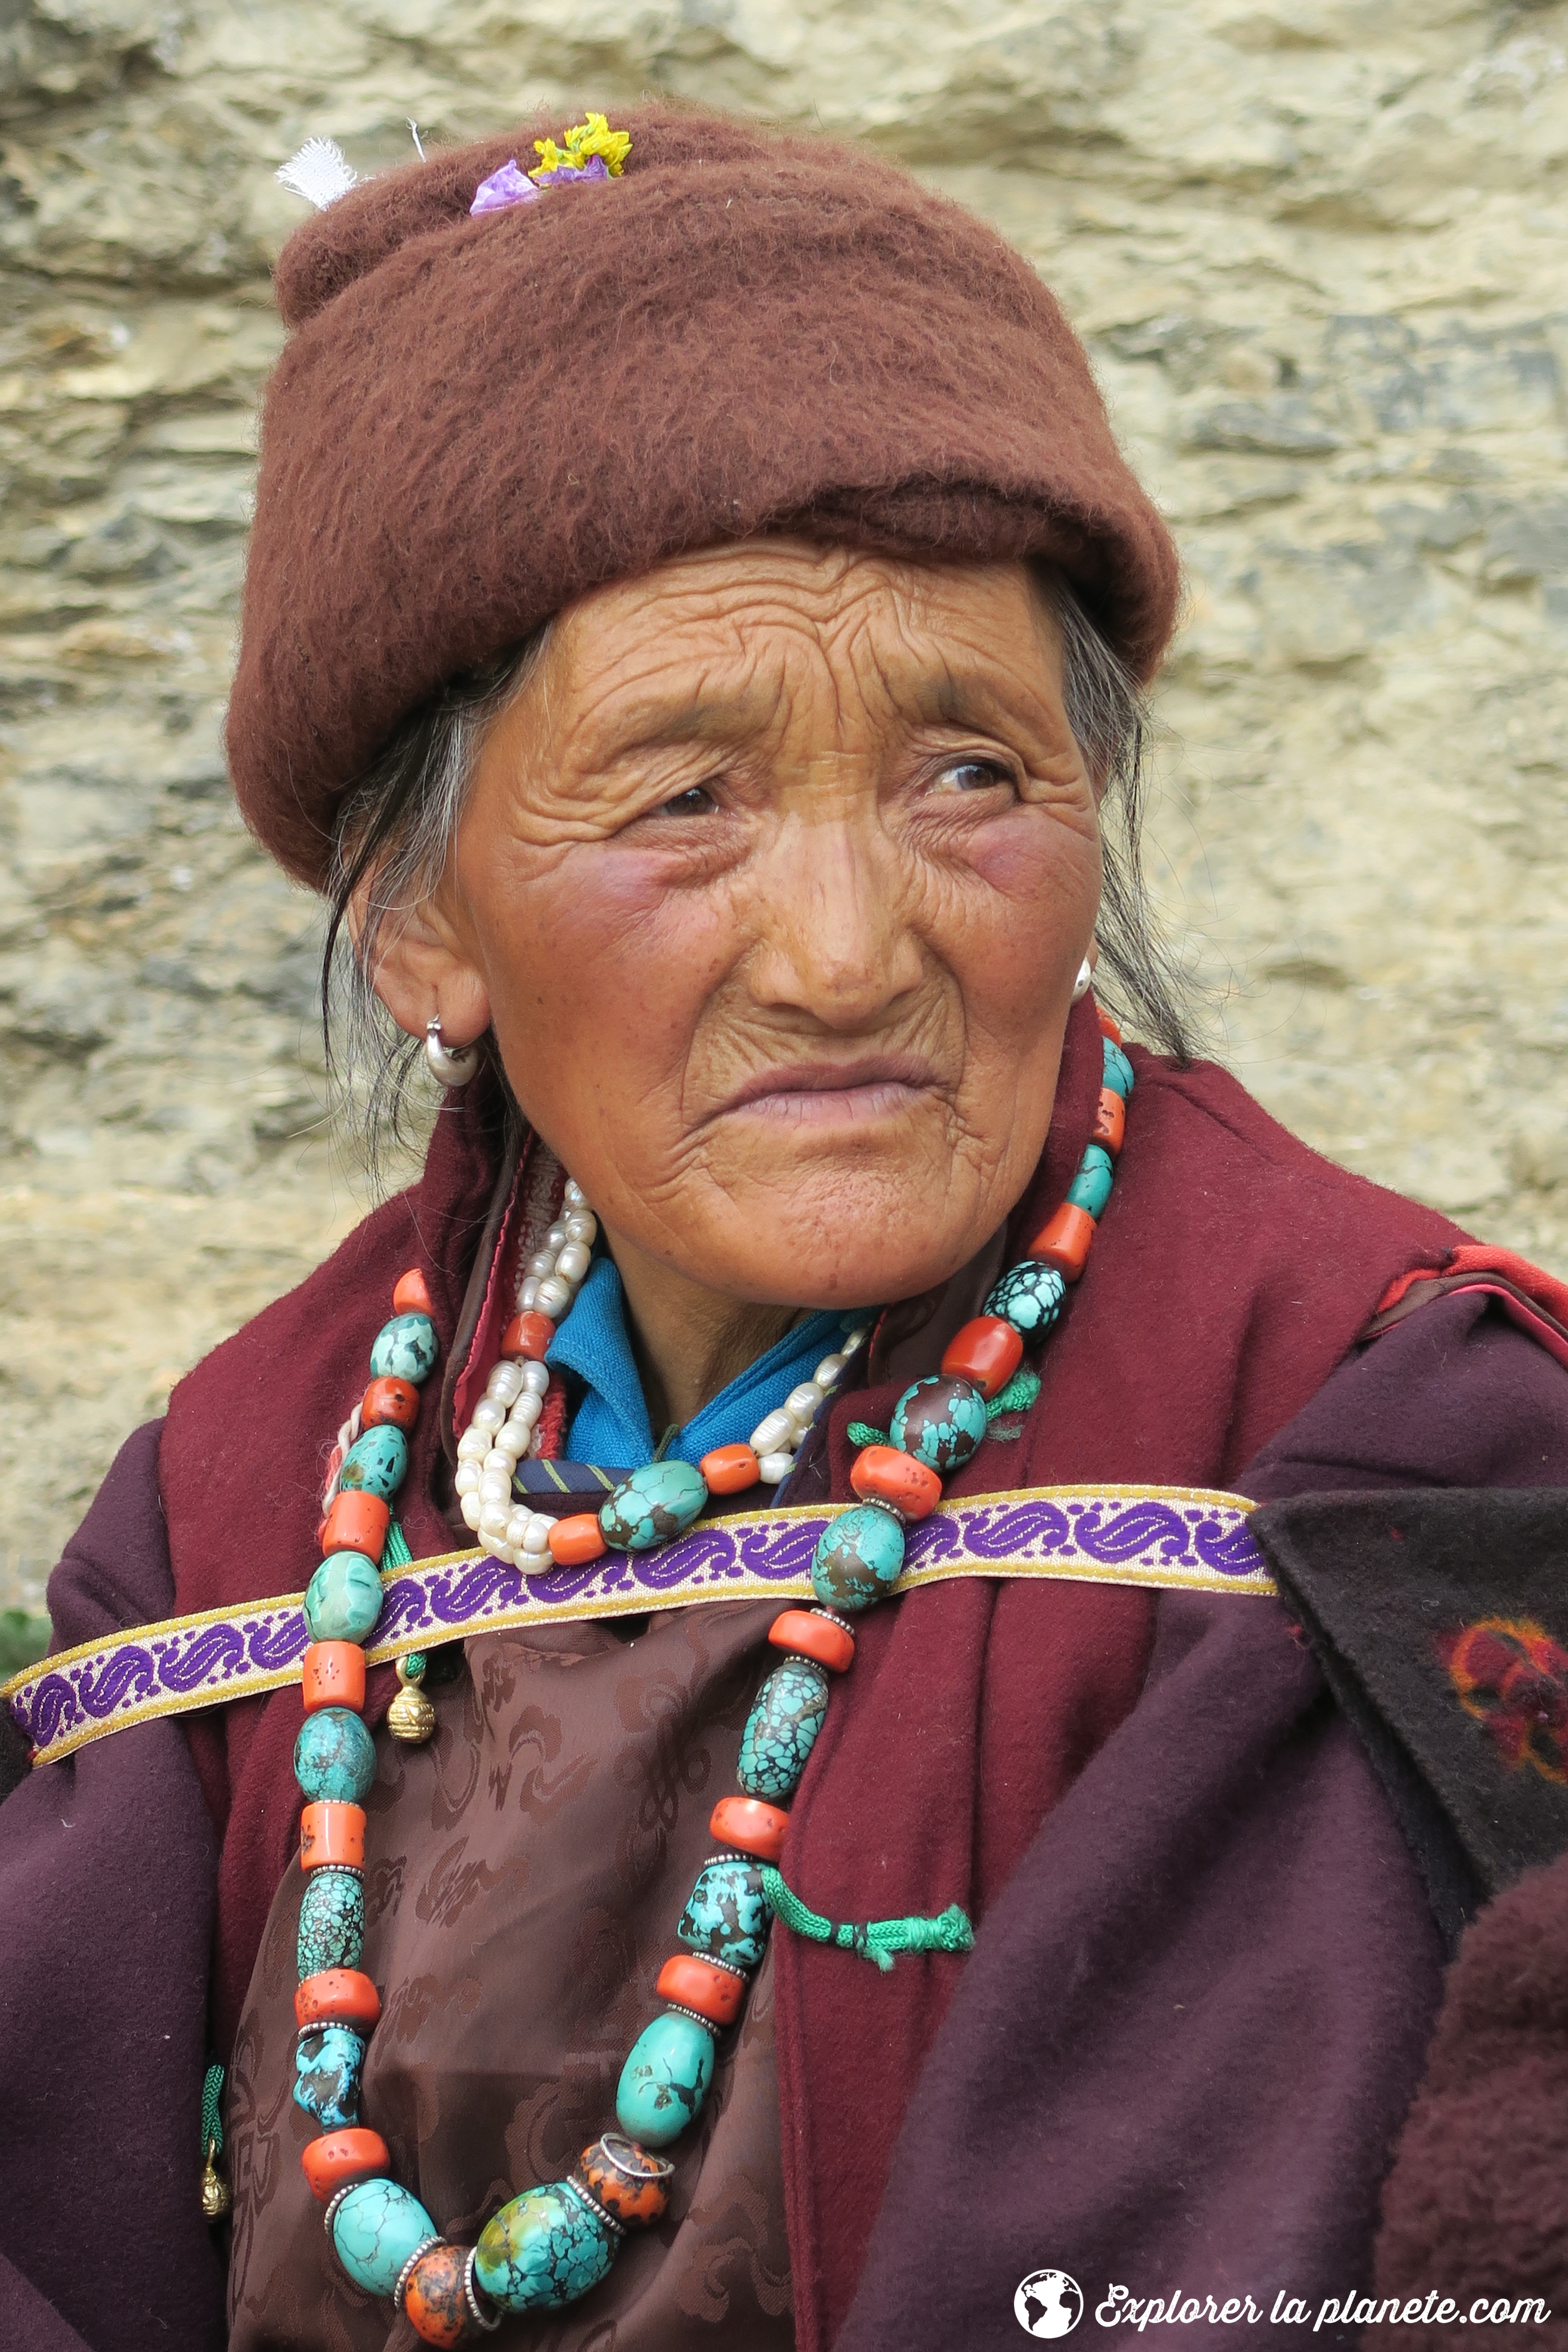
x=837, y=941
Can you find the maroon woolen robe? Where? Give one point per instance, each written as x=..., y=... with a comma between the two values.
x=1232, y=1273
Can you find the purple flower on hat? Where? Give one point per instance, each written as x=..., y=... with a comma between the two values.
x=504, y=188
x=595, y=168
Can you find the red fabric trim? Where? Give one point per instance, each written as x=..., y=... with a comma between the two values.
x=1472, y=1257
x=552, y=1423
x=1480, y=1257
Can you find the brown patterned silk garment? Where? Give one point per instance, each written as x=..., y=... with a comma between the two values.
x=524, y=1873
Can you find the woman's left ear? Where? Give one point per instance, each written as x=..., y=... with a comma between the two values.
x=422, y=975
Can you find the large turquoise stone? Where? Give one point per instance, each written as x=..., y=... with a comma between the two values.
x=858, y=1559
x=941, y=1421
x=327, y=2062
x=727, y=1915
x=343, y=1600
x=1118, y=1069
x=375, y=2230
x=541, y=2250
x=334, y=1757
x=657, y=1502
x=1090, y=1188
x=665, y=2080
x=331, y=1921
x=376, y=1461
x=781, y=1728
x=406, y=1348
x=1029, y=1296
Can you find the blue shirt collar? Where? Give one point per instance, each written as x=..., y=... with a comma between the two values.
x=611, y=1425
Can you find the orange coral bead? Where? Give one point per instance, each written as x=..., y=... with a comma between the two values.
x=627, y=2180
x=1064, y=1240
x=331, y=1674
x=1108, y=1027
x=331, y=2162
x=356, y=1522
x=885, y=1475
x=987, y=1351
x=747, y=1824
x=1110, y=1121
x=331, y=1832
x=729, y=1469
x=807, y=1636
x=528, y=1335
x=433, y=2297
x=576, y=1541
x=389, y=1400
x=714, y=1994
x=338, y=1997
x=411, y=1295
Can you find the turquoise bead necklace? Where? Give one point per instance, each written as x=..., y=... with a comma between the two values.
x=551, y=2244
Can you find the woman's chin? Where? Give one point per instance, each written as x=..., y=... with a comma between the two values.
x=864, y=1262
x=827, y=1220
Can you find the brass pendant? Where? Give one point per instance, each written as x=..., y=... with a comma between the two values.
x=411, y=1717
x=217, y=2195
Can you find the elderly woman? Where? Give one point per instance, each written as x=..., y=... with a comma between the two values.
x=694, y=634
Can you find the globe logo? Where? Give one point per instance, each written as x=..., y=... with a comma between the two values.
x=1048, y=2303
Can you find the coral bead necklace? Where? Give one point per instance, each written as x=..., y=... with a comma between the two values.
x=551, y=2244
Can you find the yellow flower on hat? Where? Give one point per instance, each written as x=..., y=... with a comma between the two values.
x=583, y=140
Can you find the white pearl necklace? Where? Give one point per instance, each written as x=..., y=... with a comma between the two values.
x=777, y=1437
x=503, y=1427
x=504, y=1424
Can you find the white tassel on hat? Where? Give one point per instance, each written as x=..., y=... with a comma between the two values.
x=320, y=173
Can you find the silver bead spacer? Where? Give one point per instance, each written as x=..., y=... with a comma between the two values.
x=610, y=2143
x=406, y=2273
x=584, y=2196
x=473, y=2297
x=679, y=2009
x=730, y=1969
x=333, y=2202
x=833, y=1619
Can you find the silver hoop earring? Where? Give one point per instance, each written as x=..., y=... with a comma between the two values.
x=1080, y=986
x=449, y=1067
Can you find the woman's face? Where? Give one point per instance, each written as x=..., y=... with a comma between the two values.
x=773, y=883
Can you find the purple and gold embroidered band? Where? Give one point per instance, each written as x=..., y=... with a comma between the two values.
x=1169, y=1538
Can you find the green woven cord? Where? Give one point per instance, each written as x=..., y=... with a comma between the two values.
x=395, y=1551
x=1017, y=1396
x=874, y=1939
x=860, y=1432
x=211, y=2110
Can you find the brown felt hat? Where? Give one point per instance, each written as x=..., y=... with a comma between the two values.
x=475, y=420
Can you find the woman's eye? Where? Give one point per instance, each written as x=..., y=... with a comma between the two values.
x=697, y=800
x=972, y=776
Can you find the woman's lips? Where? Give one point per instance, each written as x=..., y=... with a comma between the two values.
x=821, y=1094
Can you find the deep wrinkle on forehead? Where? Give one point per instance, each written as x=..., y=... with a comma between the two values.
x=839, y=652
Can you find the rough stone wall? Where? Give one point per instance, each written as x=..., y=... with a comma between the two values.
x=1316, y=246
